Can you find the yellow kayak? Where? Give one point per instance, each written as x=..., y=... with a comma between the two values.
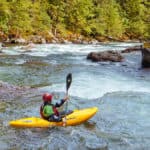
x=75, y=118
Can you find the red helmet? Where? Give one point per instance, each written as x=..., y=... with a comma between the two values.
x=47, y=97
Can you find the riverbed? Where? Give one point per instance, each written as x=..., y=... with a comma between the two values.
x=121, y=91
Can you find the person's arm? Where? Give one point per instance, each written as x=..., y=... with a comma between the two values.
x=58, y=104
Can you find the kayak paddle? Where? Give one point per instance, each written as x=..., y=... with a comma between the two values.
x=68, y=83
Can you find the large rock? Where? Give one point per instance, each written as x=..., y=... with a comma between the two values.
x=37, y=39
x=113, y=56
x=146, y=57
x=132, y=49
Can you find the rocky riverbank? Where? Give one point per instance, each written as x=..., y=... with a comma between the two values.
x=51, y=38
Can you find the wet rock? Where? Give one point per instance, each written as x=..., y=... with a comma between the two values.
x=14, y=40
x=132, y=49
x=146, y=57
x=38, y=39
x=20, y=40
x=28, y=47
x=94, y=42
x=113, y=56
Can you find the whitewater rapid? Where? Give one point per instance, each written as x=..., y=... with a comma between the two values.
x=91, y=80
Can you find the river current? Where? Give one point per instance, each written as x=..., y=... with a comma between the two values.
x=120, y=90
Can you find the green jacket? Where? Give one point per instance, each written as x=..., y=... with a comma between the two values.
x=48, y=110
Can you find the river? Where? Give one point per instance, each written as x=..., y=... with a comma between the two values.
x=120, y=90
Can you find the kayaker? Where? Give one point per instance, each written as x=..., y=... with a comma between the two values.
x=49, y=111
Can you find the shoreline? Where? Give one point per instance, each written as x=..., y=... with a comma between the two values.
x=76, y=39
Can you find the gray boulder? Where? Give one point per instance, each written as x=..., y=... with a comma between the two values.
x=112, y=56
x=146, y=57
x=132, y=49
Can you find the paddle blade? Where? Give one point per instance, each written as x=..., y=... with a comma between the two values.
x=68, y=81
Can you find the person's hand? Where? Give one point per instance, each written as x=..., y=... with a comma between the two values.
x=66, y=98
x=64, y=122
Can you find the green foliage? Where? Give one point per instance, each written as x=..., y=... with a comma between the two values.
x=114, y=18
x=109, y=21
x=78, y=16
x=40, y=19
x=56, y=13
x=4, y=15
x=20, y=20
x=29, y=17
x=146, y=18
x=135, y=13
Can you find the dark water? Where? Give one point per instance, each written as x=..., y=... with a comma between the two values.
x=121, y=91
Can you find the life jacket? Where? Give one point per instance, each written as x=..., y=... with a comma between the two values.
x=54, y=111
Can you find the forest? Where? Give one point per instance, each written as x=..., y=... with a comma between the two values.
x=119, y=19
